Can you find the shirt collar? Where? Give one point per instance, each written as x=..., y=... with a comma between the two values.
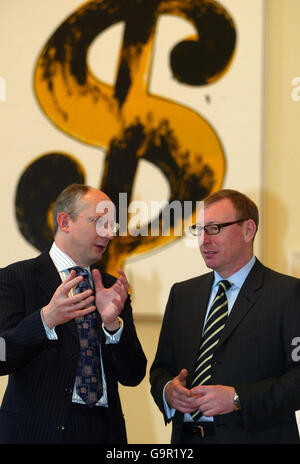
x=61, y=260
x=238, y=278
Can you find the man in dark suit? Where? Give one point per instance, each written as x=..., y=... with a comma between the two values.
x=239, y=380
x=40, y=309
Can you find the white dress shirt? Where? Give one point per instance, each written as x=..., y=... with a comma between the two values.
x=63, y=262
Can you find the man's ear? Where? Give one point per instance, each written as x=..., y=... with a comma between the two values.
x=63, y=220
x=249, y=230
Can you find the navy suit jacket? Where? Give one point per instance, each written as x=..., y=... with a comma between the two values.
x=42, y=372
x=254, y=354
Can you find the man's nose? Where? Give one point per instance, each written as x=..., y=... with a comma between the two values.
x=109, y=232
x=204, y=238
x=105, y=231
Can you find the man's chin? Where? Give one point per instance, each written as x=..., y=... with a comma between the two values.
x=99, y=252
x=209, y=261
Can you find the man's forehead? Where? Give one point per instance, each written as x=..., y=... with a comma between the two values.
x=96, y=203
x=218, y=211
x=221, y=205
x=95, y=196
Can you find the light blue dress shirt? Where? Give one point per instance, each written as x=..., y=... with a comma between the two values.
x=237, y=279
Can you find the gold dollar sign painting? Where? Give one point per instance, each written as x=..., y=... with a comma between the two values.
x=126, y=120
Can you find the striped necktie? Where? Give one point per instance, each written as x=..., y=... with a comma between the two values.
x=88, y=376
x=211, y=334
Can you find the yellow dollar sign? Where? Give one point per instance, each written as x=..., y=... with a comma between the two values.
x=125, y=119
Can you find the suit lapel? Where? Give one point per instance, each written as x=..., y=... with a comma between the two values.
x=47, y=275
x=49, y=279
x=246, y=299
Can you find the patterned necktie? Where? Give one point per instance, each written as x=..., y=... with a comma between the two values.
x=88, y=376
x=211, y=334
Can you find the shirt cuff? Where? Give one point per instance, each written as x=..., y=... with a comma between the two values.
x=50, y=333
x=111, y=338
x=169, y=411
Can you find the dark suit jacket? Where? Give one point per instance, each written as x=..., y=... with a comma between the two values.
x=254, y=354
x=41, y=372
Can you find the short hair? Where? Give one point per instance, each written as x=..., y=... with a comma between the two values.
x=244, y=206
x=68, y=201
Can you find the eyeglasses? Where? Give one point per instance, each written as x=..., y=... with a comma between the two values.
x=103, y=224
x=211, y=229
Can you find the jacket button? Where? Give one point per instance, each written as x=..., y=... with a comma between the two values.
x=68, y=390
x=60, y=428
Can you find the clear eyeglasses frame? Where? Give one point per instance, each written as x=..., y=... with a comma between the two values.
x=211, y=229
x=103, y=224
